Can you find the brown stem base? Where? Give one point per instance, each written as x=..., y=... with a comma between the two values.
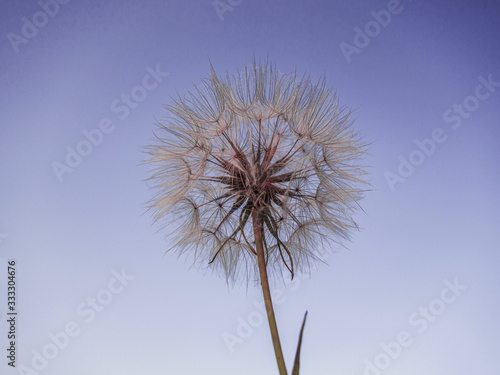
x=257, y=228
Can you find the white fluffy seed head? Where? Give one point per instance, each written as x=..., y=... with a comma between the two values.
x=257, y=140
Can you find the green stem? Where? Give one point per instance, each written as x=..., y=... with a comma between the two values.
x=257, y=228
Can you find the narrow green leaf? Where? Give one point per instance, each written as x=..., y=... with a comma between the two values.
x=296, y=363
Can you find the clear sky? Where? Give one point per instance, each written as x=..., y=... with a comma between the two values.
x=415, y=292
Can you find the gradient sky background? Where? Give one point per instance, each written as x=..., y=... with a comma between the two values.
x=440, y=224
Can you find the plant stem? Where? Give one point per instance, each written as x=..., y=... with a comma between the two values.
x=257, y=228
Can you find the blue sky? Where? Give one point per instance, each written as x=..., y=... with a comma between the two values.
x=421, y=275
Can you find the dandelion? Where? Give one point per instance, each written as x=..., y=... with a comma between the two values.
x=254, y=173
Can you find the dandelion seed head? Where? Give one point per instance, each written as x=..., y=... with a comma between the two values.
x=256, y=142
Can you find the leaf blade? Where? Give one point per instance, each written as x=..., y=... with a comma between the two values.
x=296, y=363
